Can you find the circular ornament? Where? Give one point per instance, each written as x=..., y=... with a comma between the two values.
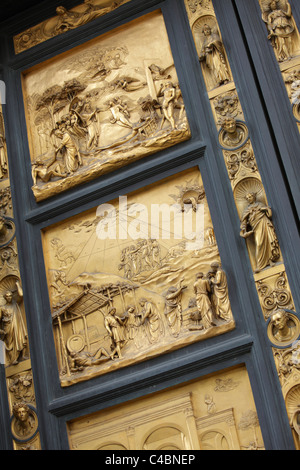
x=75, y=343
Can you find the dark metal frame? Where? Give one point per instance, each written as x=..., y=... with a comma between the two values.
x=248, y=344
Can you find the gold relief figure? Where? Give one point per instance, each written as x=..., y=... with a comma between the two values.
x=68, y=20
x=212, y=300
x=81, y=359
x=45, y=171
x=168, y=92
x=211, y=406
x=120, y=114
x=68, y=146
x=131, y=322
x=213, y=55
x=150, y=317
x=220, y=297
x=225, y=385
x=256, y=221
x=91, y=123
x=277, y=14
x=202, y=290
x=115, y=327
x=173, y=308
x=13, y=330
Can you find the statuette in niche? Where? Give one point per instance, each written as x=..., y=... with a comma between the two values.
x=218, y=281
x=81, y=359
x=202, y=290
x=212, y=55
x=277, y=14
x=115, y=327
x=256, y=222
x=151, y=319
x=12, y=327
x=173, y=308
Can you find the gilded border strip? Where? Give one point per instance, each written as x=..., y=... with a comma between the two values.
x=64, y=21
x=282, y=322
x=13, y=329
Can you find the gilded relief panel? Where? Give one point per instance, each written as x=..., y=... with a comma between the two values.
x=214, y=413
x=135, y=278
x=64, y=20
x=103, y=105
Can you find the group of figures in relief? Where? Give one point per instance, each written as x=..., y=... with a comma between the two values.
x=143, y=323
x=71, y=132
